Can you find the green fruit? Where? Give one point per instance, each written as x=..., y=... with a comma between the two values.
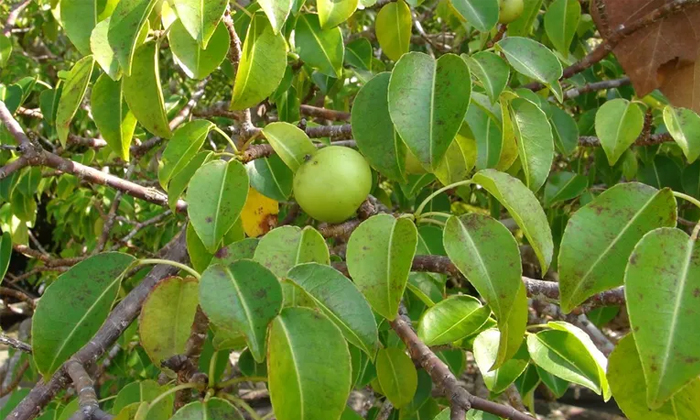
x=509, y=10
x=332, y=184
x=413, y=166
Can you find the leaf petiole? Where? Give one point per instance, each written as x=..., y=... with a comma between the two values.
x=427, y=200
x=154, y=261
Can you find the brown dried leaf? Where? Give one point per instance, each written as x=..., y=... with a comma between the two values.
x=660, y=55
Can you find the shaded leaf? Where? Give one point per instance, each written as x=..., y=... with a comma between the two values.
x=213, y=408
x=126, y=29
x=490, y=69
x=271, y=177
x=112, y=115
x=72, y=95
x=535, y=141
x=393, y=28
x=198, y=62
x=321, y=49
x=618, y=123
x=684, y=126
x=397, y=376
x=485, y=354
x=181, y=149
x=564, y=186
x=560, y=23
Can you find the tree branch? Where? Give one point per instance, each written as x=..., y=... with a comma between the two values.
x=13, y=16
x=323, y=113
x=87, y=397
x=15, y=344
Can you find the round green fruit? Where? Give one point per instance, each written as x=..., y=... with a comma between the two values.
x=509, y=10
x=332, y=184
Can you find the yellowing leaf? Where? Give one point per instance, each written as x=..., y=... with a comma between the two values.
x=259, y=214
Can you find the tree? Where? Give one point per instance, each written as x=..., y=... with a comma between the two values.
x=348, y=195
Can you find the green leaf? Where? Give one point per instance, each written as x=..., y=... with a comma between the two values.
x=74, y=307
x=627, y=381
x=458, y=162
x=428, y=100
x=530, y=58
x=393, y=28
x=112, y=115
x=143, y=92
x=5, y=50
x=451, y=320
x=490, y=69
x=136, y=392
x=662, y=286
x=485, y=354
x=374, y=132
x=564, y=130
x=524, y=208
x=126, y=28
x=397, y=376
x=244, y=296
x=564, y=186
x=332, y=13
x=563, y=355
x=290, y=143
x=618, y=123
x=216, y=195
x=481, y=14
x=262, y=66
x=684, y=126
x=486, y=130
x=72, y=95
x=276, y=11
x=179, y=181
x=271, y=177
x=200, y=18
x=181, y=149
x=78, y=18
x=555, y=384
x=340, y=301
x=379, y=257
x=243, y=249
x=5, y=253
x=213, y=408
x=307, y=348
x=560, y=23
x=321, y=49
x=535, y=141
x=359, y=54
x=522, y=26
x=486, y=253
x=194, y=60
x=600, y=236
x=166, y=318
x=102, y=50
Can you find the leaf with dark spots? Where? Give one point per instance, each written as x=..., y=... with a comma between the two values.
x=231, y=297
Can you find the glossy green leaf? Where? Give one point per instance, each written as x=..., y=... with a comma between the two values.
x=397, y=376
x=262, y=66
x=535, y=141
x=276, y=11
x=181, y=179
x=684, y=126
x=600, y=236
x=530, y=58
x=126, y=29
x=560, y=23
x=243, y=296
x=74, y=307
x=332, y=13
x=374, y=132
x=524, y=208
x=271, y=177
x=451, y=320
x=358, y=53
x=213, y=408
x=166, y=318
x=216, y=195
x=72, y=95
x=564, y=186
x=136, y=392
x=522, y=26
x=379, y=257
x=287, y=246
x=618, y=123
x=393, y=28
x=564, y=130
x=627, y=381
x=481, y=14
x=290, y=143
x=321, y=49
x=563, y=355
x=490, y=69
x=555, y=384
x=78, y=18
x=200, y=18
x=102, y=50
x=181, y=149
x=340, y=301
x=143, y=92
x=194, y=60
x=112, y=115
x=662, y=286
x=458, y=162
x=485, y=354
x=5, y=50
x=486, y=253
x=428, y=100
x=5, y=253
x=308, y=348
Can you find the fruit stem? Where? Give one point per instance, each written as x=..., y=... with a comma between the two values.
x=436, y=193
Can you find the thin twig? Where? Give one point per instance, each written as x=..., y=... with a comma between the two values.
x=15, y=344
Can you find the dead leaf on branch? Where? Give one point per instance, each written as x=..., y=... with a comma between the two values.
x=661, y=55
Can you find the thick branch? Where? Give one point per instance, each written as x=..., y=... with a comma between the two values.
x=323, y=113
x=87, y=397
x=120, y=318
